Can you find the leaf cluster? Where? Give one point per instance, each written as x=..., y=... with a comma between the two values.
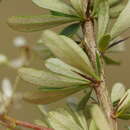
x=69, y=70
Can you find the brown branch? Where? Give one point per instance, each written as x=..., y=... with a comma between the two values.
x=9, y=122
x=89, y=41
x=91, y=50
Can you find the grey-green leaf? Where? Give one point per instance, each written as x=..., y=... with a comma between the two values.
x=47, y=78
x=124, y=107
x=117, y=45
x=44, y=96
x=38, y=22
x=78, y=5
x=68, y=51
x=61, y=119
x=96, y=4
x=122, y=24
x=93, y=126
x=41, y=50
x=56, y=5
x=103, y=18
x=59, y=67
x=99, y=118
x=78, y=115
x=55, y=13
x=118, y=91
x=116, y=10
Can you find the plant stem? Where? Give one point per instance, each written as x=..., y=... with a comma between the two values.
x=91, y=50
x=105, y=102
x=10, y=122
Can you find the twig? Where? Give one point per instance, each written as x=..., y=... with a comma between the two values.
x=86, y=77
x=10, y=122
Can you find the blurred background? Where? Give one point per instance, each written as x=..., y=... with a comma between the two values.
x=29, y=112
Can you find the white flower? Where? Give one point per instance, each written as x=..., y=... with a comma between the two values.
x=5, y=95
x=7, y=88
x=20, y=41
x=3, y=59
x=17, y=63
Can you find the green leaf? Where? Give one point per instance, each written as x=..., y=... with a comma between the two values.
x=99, y=118
x=78, y=115
x=61, y=119
x=96, y=4
x=118, y=91
x=103, y=43
x=44, y=111
x=118, y=42
x=117, y=49
x=125, y=116
x=78, y=5
x=98, y=64
x=85, y=99
x=68, y=51
x=41, y=123
x=56, y=5
x=110, y=61
x=65, y=119
x=70, y=30
x=117, y=45
x=59, y=67
x=47, y=78
x=55, y=13
x=122, y=23
x=116, y=10
x=44, y=96
x=38, y=22
x=114, y=2
x=103, y=18
x=41, y=50
x=93, y=126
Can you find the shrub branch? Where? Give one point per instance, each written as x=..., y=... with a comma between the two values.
x=91, y=50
